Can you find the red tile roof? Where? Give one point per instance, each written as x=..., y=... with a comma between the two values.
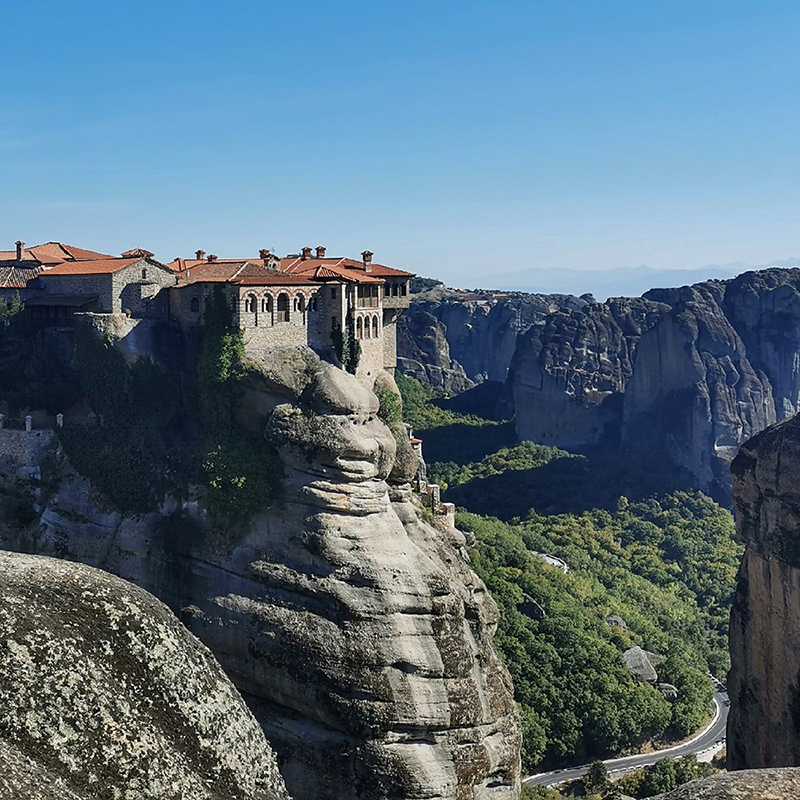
x=17, y=277
x=52, y=253
x=106, y=266
x=240, y=272
x=298, y=265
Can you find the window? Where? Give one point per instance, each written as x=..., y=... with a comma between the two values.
x=250, y=304
x=195, y=305
x=374, y=327
x=283, y=307
x=367, y=296
x=359, y=328
x=333, y=292
x=403, y=288
x=266, y=304
x=314, y=304
x=300, y=303
x=144, y=274
x=395, y=290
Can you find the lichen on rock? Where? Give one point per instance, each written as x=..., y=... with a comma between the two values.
x=106, y=695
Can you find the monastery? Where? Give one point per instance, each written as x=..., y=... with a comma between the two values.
x=302, y=299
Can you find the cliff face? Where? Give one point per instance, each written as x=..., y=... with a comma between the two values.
x=105, y=694
x=696, y=370
x=454, y=339
x=356, y=631
x=764, y=681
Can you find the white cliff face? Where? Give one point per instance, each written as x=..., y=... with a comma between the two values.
x=356, y=631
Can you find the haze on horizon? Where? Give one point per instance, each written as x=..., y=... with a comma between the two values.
x=456, y=140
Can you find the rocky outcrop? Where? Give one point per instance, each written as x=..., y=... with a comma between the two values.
x=695, y=371
x=764, y=681
x=454, y=339
x=105, y=694
x=356, y=631
x=569, y=373
x=752, y=784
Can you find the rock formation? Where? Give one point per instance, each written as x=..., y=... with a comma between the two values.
x=752, y=784
x=695, y=370
x=356, y=631
x=453, y=339
x=105, y=694
x=764, y=681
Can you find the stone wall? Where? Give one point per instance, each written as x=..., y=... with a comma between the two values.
x=24, y=448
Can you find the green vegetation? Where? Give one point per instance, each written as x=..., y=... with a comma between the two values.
x=346, y=345
x=127, y=456
x=419, y=284
x=663, y=561
x=150, y=441
x=390, y=410
x=663, y=776
x=241, y=471
x=35, y=367
x=448, y=434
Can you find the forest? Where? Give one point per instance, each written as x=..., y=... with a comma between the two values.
x=650, y=563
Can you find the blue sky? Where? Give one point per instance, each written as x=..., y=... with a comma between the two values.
x=455, y=139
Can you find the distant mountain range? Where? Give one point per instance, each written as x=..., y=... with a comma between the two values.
x=620, y=282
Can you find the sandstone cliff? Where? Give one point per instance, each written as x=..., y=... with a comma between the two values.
x=356, y=631
x=454, y=339
x=694, y=370
x=764, y=682
x=105, y=695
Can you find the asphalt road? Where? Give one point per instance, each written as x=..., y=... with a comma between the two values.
x=711, y=735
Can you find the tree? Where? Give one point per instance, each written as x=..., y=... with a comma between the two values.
x=596, y=778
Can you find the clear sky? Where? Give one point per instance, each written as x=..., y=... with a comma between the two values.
x=453, y=138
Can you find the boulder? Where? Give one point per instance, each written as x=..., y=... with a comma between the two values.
x=105, y=694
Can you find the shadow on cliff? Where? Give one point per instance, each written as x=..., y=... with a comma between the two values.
x=463, y=443
x=596, y=479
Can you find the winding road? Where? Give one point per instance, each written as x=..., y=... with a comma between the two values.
x=711, y=736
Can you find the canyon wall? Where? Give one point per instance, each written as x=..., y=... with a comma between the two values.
x=695, y=370
x=453, y=339
x=356, y=631
x=764, y=681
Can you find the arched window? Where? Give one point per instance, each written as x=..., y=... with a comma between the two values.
x=144, y=274
x=195, y=305
x=359, y=329
x=301, y=303
x=250, y=304
x=367, y=334
x=374, y=327
x=283, y=307
x=266, y=304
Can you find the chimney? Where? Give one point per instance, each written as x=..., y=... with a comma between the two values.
x=320, y=252
x=305, y=254
x=211, y=258
x=199, y=254
x=19, y=245
x=264, y=253
x=367, y=259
